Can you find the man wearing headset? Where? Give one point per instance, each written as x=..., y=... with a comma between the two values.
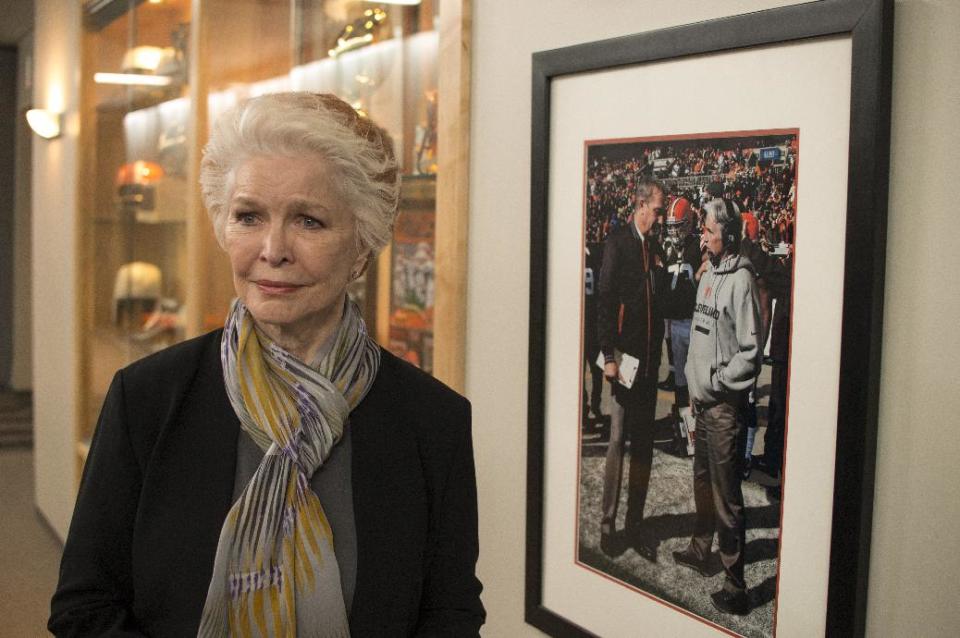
x=723, y=360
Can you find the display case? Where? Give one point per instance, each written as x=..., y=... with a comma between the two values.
x=157, y=73
x=134, y=189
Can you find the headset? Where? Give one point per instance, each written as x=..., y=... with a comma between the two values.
x=732, y=227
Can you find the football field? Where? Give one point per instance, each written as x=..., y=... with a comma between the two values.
x=669, y=518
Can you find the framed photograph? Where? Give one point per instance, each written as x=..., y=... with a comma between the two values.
x=413, y=268
x=708, y=233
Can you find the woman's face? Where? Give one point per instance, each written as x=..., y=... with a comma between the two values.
x=291, y=239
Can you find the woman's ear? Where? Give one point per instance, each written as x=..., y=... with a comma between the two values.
x=360, y=264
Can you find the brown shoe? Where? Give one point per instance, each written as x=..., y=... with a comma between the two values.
x=736, y=603
x=690, y=560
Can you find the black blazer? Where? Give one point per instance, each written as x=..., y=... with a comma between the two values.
x=629, y=311
x=159, y=480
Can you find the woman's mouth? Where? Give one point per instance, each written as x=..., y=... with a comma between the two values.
x=270, y=287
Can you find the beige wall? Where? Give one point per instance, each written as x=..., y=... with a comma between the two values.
x=56, y=51
x=913, y=562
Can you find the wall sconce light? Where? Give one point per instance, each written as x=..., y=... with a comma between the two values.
x=45, y=123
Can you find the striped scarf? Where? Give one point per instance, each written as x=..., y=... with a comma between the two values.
x=275, y=572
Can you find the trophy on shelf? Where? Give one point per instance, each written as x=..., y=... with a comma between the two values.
x=426, y=163
x=363, y=72
x=360, y=32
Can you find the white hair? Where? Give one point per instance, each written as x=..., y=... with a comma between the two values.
x=307, y=125
x=727, y=215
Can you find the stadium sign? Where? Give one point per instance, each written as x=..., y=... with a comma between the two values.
x=687, y=181
x=770, y=154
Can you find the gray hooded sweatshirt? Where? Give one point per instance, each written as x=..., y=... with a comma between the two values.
x=724, y=355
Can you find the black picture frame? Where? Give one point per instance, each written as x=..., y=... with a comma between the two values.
x=869, y=24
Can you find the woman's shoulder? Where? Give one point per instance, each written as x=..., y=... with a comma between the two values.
x=421, y=404
x=411, y=425
x=176, y=365
x=416, y=390
x=148, y=394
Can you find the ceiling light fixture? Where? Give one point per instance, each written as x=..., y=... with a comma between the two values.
x=139, y=79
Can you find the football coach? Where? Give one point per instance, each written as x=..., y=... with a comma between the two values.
x=723, y=361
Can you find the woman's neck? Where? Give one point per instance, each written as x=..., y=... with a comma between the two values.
x=306, y=338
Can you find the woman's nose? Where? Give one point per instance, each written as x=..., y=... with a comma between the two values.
x=276, y=245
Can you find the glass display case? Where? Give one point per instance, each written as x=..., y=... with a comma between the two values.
x=157, y=73
x=134, y=189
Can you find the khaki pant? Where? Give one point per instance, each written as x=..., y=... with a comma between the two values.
x=635, y=420
x=716, y=490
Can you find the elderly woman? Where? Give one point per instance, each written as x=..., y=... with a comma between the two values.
x=284, y=475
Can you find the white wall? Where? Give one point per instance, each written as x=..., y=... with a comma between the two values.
x=913, y=568
x=21, y=370
x=913, y=560
x=56, y=81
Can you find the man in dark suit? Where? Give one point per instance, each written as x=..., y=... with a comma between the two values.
x=630, y=321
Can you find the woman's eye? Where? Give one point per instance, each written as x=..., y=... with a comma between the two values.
x=311, y=223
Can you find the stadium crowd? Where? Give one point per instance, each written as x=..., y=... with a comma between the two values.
x=765, y=188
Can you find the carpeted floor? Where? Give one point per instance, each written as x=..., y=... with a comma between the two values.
x=16, y=420
x=29, y=551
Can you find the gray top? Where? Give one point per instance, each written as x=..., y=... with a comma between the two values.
x=331, y=484
x=724, y=355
